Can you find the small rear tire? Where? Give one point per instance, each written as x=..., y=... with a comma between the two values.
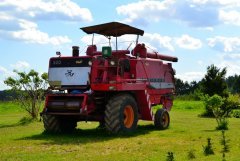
x=161, y=119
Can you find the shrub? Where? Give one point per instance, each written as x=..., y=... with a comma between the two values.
x=236, y=113
x=223, y=125
x=170, y=156
x=220, y=112
x=226, y=106
x=207, y=150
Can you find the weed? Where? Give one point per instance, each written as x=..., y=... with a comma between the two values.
x=191, y=154
x=223, y=125
x=170, y=156
x=224, y=143
x=208, y=150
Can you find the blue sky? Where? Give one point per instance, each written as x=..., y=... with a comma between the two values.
x=198, y=32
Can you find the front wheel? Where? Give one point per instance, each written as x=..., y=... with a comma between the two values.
x=121, y=114
x=161, y=119
x=54, y=124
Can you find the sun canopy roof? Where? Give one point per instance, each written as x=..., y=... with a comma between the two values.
x=112, y=29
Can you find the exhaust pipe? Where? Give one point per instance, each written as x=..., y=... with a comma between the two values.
x=75, y=51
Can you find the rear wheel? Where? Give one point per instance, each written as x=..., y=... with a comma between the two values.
x=55, y=124
x=121, y=114
x=161, y=119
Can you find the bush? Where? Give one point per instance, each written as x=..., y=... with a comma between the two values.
x=219, y=110
x=236, y=113
x=230, y=103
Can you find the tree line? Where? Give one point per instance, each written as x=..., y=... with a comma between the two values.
x=231, y=83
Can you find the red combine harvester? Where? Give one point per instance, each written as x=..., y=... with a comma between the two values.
x=113, y=87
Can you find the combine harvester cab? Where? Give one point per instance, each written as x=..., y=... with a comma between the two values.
x=113, y=87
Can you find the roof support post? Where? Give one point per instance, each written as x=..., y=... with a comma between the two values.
x=137, y=39
x=116, y=44
x=92, y=38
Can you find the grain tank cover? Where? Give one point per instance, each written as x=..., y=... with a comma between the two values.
x=115, y=29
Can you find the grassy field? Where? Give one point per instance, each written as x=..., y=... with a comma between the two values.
x=187, y=132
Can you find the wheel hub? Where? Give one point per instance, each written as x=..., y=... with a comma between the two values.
x=128, y=116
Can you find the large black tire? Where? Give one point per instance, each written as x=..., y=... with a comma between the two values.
x=161, y=119
x=54, y=124
x=121, y=114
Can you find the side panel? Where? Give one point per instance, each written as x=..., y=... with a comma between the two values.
x=157, y=74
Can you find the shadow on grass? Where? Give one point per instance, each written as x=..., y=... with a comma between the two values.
x=84, y=136
x=22, y=122
x=213, y=130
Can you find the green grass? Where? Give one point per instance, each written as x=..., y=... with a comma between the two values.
x=187, y=132
x=9, y=107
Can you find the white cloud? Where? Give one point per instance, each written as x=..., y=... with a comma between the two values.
x=144, y=11
x=4, y=73
x=28, y=31
x=158, y=41
x=3, y=70
x=222, y=3
x=187, y=42
x=17, y=19
x=231, y=61
x=148, y=11
x=46, y=10
x=98, y=39
x=195, y=13
x=190, y=76
x=230, y=17
x=228, y=10
x=4, y=16
x=36, y=36
x=225, y=44
x=152, y=41
x=20, y=65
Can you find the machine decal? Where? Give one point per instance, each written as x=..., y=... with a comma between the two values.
x=69, y=73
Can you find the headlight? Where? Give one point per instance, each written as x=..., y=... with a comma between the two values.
x=112, y=62
x=72, y=104
x=90, y=63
